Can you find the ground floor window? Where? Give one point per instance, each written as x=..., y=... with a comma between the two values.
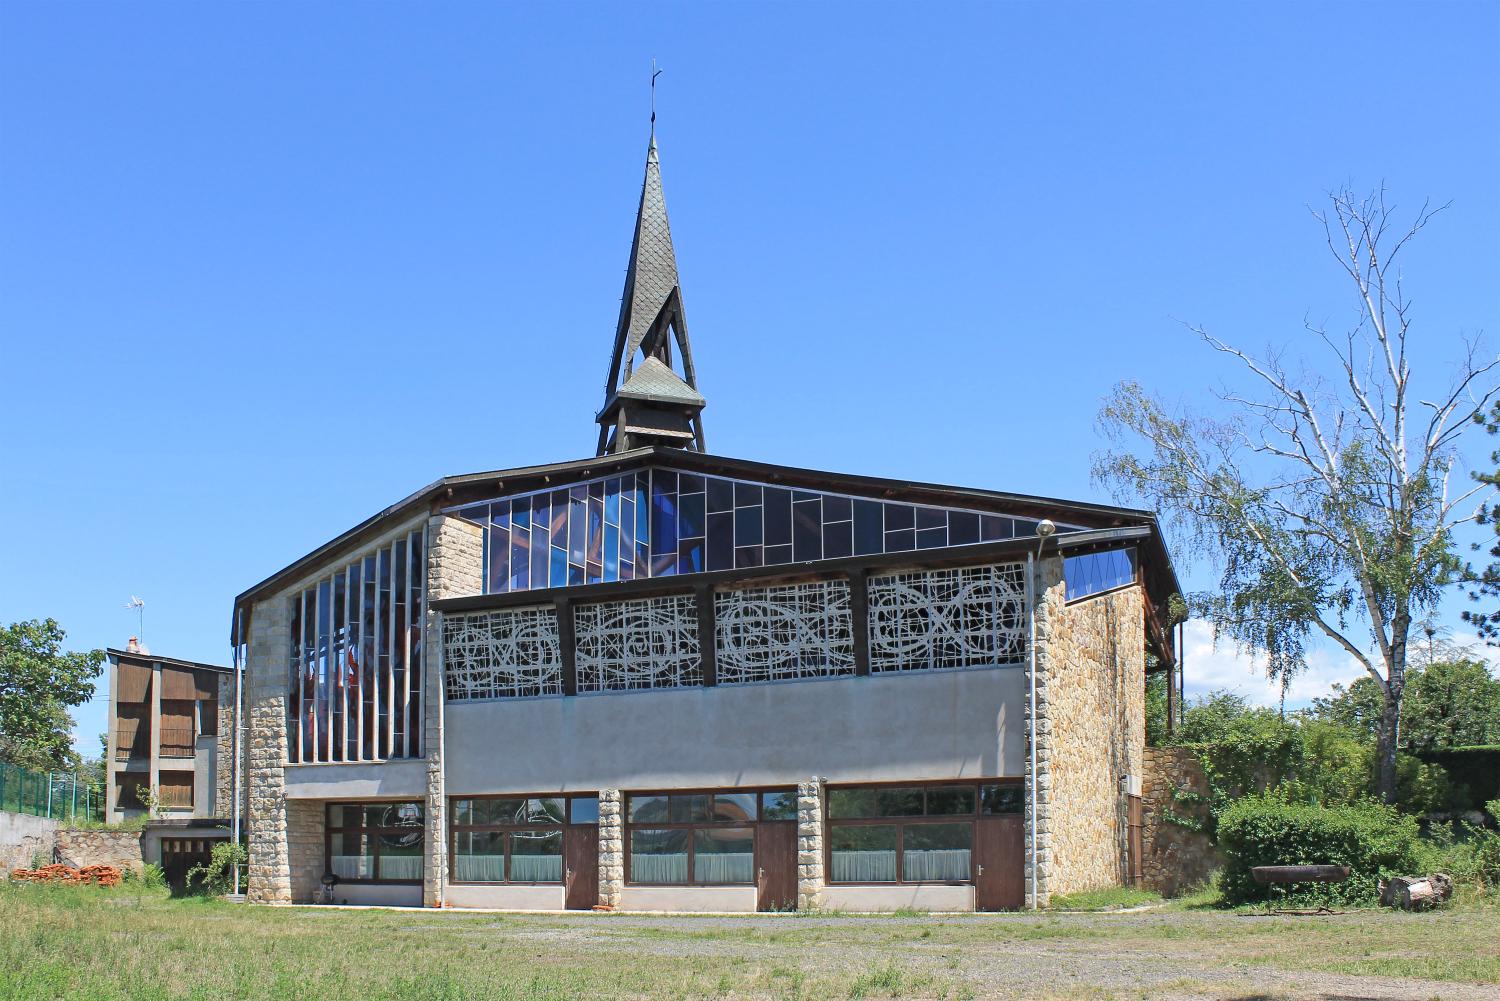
x=910, y=833
x=515, y=839
x=375, y=842
x=700, y=838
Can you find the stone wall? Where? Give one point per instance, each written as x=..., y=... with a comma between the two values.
x=809, y=845
x=1089, y=724
x=225, y=772
x=21, y=837
x=79, y=848
x=304, y=846
x=611, y=847
x=266, y=681
x=1174, y=858
x=455, y=567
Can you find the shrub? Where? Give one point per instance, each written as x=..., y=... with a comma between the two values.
x=151, y=877
x=1372, y=840
x=217, y=877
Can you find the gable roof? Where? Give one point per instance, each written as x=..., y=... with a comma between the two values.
x=453, y=491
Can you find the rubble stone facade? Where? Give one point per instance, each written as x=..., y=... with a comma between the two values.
x=1175, y=857
x=1088, y=724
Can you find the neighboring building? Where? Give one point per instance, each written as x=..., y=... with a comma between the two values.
x=657, y=678
x=171, y=734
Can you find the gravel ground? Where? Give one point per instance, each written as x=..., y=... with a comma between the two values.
x=1169, y=955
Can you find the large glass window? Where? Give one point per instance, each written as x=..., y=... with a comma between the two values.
x=700, y=838
x=375, y=842
x=1095, y=573
x=514, y=839
x=910, y=834
x=660, y=522
x=355, y=686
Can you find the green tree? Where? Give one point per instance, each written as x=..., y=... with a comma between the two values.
x=1451, y=704
x=1358, y=707
x=1322, y=499
x=39, y=683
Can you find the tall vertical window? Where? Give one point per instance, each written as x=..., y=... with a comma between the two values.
x=356, y=659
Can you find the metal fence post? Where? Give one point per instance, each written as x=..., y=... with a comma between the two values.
x=49, y=795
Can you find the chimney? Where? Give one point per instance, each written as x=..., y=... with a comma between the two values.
x=134, y=646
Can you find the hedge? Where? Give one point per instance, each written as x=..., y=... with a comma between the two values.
x=1372, y=840
x=1475, y=767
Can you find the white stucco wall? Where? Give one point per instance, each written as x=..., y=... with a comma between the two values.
x=387, y=894
x=733, y=899
x=925, y=897
x=519, y=898
x=398, y=779
x=929, y=725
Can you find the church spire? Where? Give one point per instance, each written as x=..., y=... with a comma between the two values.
x=646, y=400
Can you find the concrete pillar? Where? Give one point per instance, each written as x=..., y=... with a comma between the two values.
x=611, y=847
x=155, y=729
x=810, y=844
x=112, y=742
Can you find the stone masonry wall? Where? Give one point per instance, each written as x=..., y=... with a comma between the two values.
x=1174, y=858
x=223, y=805
x=809, y=844
x=304, y=845
x=121, y=849
x=1090, y=731
x=455, y=567
x=611, y=847
x=266, y=682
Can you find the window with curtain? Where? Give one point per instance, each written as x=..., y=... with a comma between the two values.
x=700, y=838
x=910, y=833
x=375, y=842
x=515, y=839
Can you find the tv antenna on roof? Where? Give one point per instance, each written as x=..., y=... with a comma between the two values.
x=139, y=606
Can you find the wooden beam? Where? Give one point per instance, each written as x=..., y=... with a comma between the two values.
x=859, y=618
x=566, y=644
x=703, y=597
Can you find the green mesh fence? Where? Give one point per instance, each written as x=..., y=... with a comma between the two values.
x=47, y=794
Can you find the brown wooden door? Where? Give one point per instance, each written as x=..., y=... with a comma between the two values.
x=581, y=867
x=776, y=862
x=178, y=855
x=999, y=864
x=1135, y=825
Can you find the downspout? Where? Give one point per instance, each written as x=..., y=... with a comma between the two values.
x=1031, y=673
x=234, y=744
x=442, y=750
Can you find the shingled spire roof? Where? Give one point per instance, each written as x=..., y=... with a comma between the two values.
x=651, y=320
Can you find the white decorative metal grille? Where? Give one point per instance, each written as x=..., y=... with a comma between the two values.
x=647, y=643
x=969, y=617
x=507, y=654
x=783, y=633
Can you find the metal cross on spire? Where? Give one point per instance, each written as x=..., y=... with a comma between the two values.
x=655, y=72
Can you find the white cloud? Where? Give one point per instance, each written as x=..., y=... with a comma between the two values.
x=1211, y=668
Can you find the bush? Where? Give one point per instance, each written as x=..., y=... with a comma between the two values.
x=217, y=877
x=151, y=877
x=1373, y=841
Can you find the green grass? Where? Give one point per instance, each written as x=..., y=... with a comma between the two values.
x=113, y=945
x=1109, y=899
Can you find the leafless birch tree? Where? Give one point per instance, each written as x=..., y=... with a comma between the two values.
x=1325, y=498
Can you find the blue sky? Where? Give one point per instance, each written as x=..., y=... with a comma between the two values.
x=267, y=268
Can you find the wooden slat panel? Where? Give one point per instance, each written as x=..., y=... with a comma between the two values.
x=178, y=683
x=207, y=684
x=135, y=683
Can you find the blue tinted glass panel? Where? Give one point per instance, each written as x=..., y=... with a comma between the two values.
x=898, y=516
x=559, y=522
x=612, y=502
x=931, y=517
x=807, y=530
x=747, y=526
x=868, y=537
x=663, y=521
x=594, y=552
x=690, y=556
x=837, y=508
x=721, y=541
x=963, y=528
x=778, y=555
x=1097, y=572
x=577, y=524
x=720, y=495
x=539, y=555
x=746, y=494
x=520, y=556
x=575, y=575
x=838, y=540
x=690, y=513
x=993, y=528
x=611, y=553
x=747, y=556
x=498, y=554
x=689, y=483
x=559, y=574
x=932, y=538
x=778, y=516
x=664, y=565
x=642, y=560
